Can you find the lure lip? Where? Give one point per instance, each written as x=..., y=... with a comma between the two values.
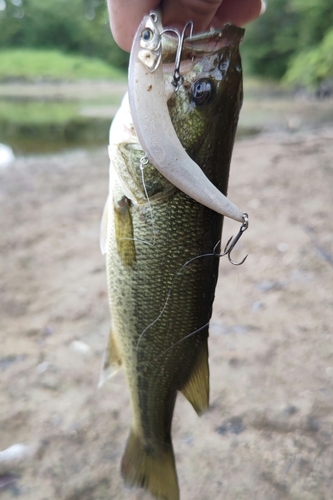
x=148, y=104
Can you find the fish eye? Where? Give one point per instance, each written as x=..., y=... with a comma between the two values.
x=202, y=91
x=147, y=35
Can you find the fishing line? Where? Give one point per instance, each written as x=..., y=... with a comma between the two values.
x=207, y=324
x=184, y=338
x=227, y=251
x=144, y=161
x=229, y=246
x=178, y=273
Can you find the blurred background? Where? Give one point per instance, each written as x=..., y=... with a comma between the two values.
x=51, y=52
x=268, y=434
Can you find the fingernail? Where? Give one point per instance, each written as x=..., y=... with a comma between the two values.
x=263, y=8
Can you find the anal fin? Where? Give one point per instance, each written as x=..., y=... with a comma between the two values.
x=112, y=360
x=154, y=472
x=196, y=389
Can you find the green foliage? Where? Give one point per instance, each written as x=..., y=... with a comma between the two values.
x=313, y=66
x=270, y=40
x=31, y=64
x=78, y=26
x=292, y=38
x=314, y=19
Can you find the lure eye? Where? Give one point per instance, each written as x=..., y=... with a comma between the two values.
x=147, y=35
x=202, y=91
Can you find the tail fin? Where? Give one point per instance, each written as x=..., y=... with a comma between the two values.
x=155, y=473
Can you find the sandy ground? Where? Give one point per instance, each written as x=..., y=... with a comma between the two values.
x=269, y=431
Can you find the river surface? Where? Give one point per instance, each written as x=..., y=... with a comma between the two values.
x=50, y=118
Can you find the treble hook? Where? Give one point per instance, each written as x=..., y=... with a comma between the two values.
x=231, y=244
x=177, y=79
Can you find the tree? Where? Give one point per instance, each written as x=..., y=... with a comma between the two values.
x=293, y=39
x=69, y=25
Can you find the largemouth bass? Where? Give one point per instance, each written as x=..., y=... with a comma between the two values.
x=160, y=249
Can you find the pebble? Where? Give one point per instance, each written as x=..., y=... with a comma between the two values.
x=267, y=286
x=6, y=155
x=42, y=367
x=283, y=247
x=258, y=305
x=50, y=381
x=81, y=348
x=15, y=457
x=255, y=203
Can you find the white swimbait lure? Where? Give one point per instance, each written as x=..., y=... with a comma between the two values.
x=152, y=122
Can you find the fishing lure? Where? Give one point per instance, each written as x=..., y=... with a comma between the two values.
x=157, y=136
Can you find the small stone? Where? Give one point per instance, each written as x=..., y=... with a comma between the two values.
x=33, y=332
x=48, y=330
x=255, y=203
x=81, y=347
x=258, y=305
x=7, y=361
x=283, y=247
x=234, y=426
x=42, y=367
x=290, y=409
x=50, y=381
x=267, y=286
x=6, y=154
x=15, y=456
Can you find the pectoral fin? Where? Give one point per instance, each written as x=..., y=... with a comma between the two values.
x=124, y=231
x=112, y=360
x=196, y=389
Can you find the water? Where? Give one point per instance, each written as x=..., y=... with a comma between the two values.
x=55, y=118
x=50, y=118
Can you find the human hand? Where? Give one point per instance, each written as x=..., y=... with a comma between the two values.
x=126, y=15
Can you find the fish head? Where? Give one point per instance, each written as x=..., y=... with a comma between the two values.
x=205, y=109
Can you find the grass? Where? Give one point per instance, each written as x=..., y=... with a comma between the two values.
x=37, y=112
x=33, y=64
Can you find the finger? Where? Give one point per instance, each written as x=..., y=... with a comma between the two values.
x=238, y=12
x=125, y=17
x=177, y=13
